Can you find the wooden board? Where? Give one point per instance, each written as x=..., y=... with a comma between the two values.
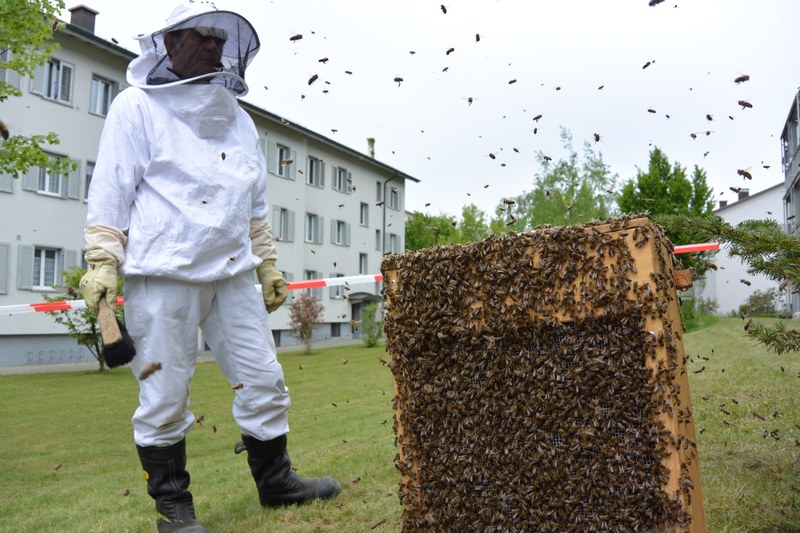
x=523, y=289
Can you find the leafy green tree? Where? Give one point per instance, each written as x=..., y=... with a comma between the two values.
x=768, y=250
x=473, y=225
x=26, y=33
x=81, y=324
x=371, y=324
x=573, y=190
x=425, y=231
x=665, y=190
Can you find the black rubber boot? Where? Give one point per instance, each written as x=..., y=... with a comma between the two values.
x=167, y=483
x=277, y=484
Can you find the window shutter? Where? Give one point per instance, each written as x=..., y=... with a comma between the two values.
x=37, y=80
x=347, y=234
x=262, y=145
x=272, y=156
x=5, y=256
x=316, y=292
x=349, y=184
x=320, y=228
x=293, y=166
x=288, y=276
x=30, y=181
x=65, y=91
x=70, y=259
x=334, y=224
x=321, y=174
x=25, y=267
x=290, y=232
x=6, y=183
x=276, y=219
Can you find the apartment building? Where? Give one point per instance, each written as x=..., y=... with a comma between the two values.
x=335, y=211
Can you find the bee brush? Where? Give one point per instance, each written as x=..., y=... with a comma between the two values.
x=118, y=347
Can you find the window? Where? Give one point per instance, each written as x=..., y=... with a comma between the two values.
x=5, y=267
x=313, y=229
x=362, y=264
x=102, y=93
x=88, y=173
x=394, y=198
x=281, y=160
x=53, y=80
x=336, y=329
x=337, y=291
x=363, y=217
x=378, y=241
x=394, y=243
x=283, y=224
x=40, y=267
x=315, y=292
x=44, y=267
x=342, y=180
x=340, y=233
x=379, y=195
x=316, y=172
x=9, y=76
x=43, y=180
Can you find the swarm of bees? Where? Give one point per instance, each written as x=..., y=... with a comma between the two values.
x=531, y=393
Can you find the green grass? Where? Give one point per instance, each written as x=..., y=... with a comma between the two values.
x=68, y=463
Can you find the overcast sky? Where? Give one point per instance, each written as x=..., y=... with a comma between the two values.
x=558, y=54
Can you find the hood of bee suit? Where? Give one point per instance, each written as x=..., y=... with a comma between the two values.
x=153, y=68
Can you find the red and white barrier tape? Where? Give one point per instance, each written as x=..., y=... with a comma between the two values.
x=68, y=305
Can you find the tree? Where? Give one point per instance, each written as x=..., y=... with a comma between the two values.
x=304, y=312
x=665, y=190
x=26, y=32
x=81, y=324
x=371, y=323
x=570, y=191
x=768, y=250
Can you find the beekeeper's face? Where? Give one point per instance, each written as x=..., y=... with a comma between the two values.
x=194, y=53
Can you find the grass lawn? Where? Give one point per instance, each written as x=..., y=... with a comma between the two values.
x=68, y=463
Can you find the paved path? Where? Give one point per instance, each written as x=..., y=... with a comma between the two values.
x=92, y=365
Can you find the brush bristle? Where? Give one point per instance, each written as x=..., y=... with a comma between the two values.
x=121, y=353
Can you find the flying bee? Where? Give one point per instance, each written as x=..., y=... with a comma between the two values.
x=652, y=3
x=223, y=156
x=648, y=64
x=597, y=137
x=398, y=80
x=746, y=282
x=449, y=51
x=287, y=161
x=745, y=104
x=296, y=37
x=4, y=131
x=709, y=117
x=313, y=78
x=745, y=174
x=510, y=82
x=651, y=110
x=238, y=386
x=324, y=60
x=149, y=370
x=536, y=118
x=443, y=8
x=477, y=37
x=741, y=79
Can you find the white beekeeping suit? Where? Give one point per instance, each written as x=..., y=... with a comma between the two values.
x=178, y=206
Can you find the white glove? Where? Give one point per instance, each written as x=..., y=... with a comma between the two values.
x=100, y=279
x=273, y=286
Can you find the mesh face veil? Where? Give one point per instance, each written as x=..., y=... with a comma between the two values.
x=154, y=68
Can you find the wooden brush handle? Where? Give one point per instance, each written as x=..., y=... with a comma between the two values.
x=107, y=321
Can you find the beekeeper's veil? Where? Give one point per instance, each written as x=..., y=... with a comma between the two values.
x=153, y=69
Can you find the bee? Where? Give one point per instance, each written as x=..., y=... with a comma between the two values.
x=477, y=37
x=710, y=265
x=651, y=110
x=449, y=51
x=398, y=80
x=652, y=3
x=745, y=104
x=745, y=174
x=536, y=118
x=287, y=161
x=238, y=386
x=149, y=370
x=324, y=60
x=379, y=204
x=333, y=404
x=200, y=419
x=4, y=131
x=647, y=64
x=443, y=8
x=511, y=82
x=313, y=78
x=214, y=429
x=223, y=156
x=700, y=370
x=296, y=37
x=741, y=79
x=746, y=282
x=345, y=361
x=735, y=189
x=597, y=137
x=126, y=492
x=350, y=72
x=600, y=87
x=492, y=156
x=709, y=117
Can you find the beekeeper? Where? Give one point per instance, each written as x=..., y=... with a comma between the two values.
x=177, y=206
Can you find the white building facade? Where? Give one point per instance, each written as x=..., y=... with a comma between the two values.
x=725, y=284
x=335, y=211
